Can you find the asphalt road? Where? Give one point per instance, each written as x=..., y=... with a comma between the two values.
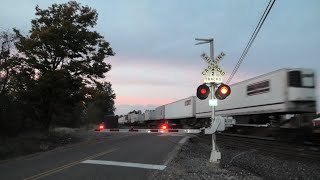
x=116, y=156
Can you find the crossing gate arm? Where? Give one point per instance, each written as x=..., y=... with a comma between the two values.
x=148, y=131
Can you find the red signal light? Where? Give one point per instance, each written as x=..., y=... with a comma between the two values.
x=101, y=127
x=164, y=126
x=203, y=91
x=223, y=91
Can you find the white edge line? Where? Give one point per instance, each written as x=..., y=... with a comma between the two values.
x=126, y=164
x=175, y=151
x=183, y=140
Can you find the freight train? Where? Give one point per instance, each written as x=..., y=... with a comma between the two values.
x=259, y=100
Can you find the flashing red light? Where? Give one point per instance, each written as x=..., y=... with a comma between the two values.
x=203, y=91
x=164, y=126
x=224, y=90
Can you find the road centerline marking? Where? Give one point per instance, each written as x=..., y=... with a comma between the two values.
x=126, y=164
x=60, y=168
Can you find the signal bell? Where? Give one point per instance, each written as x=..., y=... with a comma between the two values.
x=223, y=91
x=203, y=91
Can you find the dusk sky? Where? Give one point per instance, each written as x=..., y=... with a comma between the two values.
x=156, y=59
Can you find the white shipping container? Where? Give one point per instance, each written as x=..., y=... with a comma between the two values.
x=159, y=113
x=140, y=117
x=184, y=108
x=133, y=117
x=129, y=117
x=122, y=120
x=149, y=115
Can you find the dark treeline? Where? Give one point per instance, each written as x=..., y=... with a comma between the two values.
x=54, y=74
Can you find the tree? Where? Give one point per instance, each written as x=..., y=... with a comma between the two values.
x=100, y=102
x=12, y=78
x=61, y=56
x=61, y=38
x=57, y=94
x=135, y=112
x=6, y=60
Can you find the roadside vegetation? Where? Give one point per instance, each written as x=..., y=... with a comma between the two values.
x=54, y=75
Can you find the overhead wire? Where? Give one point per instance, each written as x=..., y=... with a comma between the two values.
x=248, y=44
x=253, y=36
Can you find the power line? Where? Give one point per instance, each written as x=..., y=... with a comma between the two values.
x=255, y=33
x=253, y=36
x=248, y=44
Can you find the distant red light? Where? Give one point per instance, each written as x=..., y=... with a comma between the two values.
x=101, y=126
x=203, y=91
x=164, y=126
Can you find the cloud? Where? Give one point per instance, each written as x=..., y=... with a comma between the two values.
x=158, y=72
x=134, y=76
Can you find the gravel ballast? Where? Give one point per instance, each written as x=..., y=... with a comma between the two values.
x=192, y=162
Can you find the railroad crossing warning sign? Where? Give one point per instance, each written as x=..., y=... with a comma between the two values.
x=212, y=78
x=213, y=73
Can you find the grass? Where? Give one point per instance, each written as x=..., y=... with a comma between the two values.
x=32, y=142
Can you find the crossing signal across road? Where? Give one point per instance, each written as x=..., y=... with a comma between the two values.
x=223, y=91
x=203, y=91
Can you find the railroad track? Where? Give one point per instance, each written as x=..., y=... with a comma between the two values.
x=270, y=146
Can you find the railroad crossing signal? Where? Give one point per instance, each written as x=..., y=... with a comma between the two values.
x=211, y=76
x=223, y=91
x=203, y=91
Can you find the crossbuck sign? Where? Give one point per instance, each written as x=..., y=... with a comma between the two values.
x=213, y=73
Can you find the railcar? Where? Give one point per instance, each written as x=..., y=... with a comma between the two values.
x=258, y=100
